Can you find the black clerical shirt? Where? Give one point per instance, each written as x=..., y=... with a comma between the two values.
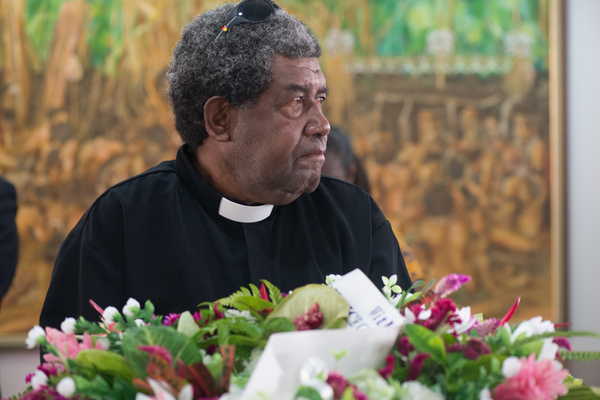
x=159, y=236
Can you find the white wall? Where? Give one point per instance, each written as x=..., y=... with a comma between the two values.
x=15, y=364
x=583, y=182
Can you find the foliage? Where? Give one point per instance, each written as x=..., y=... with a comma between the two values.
x=381, y=28
x=441, y=352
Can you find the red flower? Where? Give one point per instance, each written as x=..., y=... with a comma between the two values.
x=311, y=320
x=405, y=346
x=414, y=370
x=475, y=347
x=387, y=370
x=263, y=292
x=441, y=312
x=338, y=383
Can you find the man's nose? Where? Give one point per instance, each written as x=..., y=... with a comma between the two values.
x=318, y=124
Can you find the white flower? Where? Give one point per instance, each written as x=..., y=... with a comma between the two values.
x=389, y=287
x=38, y=380
x=66, y=387
x=410, y=316
x=371, y=383
x=467, y=321
x=534, y=326
x=329, y=279
x=139, y=322
x=34, y=334
x=132, y=306
x=160, y=390
x=485, y=394
x=237, y=313
x=417, y=391
x=549, y=350
x=104, y=343
x=186, y=393
x=511, y=366
x=109, y=314
x=68, y=325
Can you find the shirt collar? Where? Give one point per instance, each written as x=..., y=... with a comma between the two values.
x=242, y=213
x=211, y=199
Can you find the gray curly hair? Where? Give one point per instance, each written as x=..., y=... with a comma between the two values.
x=236, y=66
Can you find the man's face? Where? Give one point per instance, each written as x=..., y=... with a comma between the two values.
x=277, y=147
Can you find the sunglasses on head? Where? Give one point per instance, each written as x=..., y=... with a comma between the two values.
x=248, y=11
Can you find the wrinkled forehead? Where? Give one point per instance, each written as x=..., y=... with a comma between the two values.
x=298, y=71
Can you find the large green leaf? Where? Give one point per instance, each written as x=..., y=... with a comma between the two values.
x=426, y=341
x=334, y=307
x=105, y=362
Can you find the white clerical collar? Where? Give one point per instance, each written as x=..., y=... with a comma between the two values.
x=241, y=213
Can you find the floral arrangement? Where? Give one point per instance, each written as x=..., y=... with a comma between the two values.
x=440, y=351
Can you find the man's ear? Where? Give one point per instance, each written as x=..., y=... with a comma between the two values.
x=217, y=116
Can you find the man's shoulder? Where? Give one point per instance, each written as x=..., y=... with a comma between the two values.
x=134, y=190
x=6, y=186
x=164, y=170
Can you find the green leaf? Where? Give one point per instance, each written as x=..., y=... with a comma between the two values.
x=426, y=341
x=581, y=392
x=278, y=324
x=105, y=362
x=334, y=307
x=307, y=392
x=580, y=355
x=251, y=303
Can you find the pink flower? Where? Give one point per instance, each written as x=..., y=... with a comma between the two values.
x=450, y=284
x=197, y=316
x=171, y=319
x=67, y=344
x=533, y=381
x=486, y=327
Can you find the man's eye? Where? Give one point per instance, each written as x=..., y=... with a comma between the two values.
x=320, y=100
x=296, y=101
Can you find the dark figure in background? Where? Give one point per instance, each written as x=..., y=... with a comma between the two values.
x=341, y=162
x=9, y=238
x=244, y=199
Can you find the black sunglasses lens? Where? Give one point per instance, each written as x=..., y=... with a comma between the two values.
x=254, y=10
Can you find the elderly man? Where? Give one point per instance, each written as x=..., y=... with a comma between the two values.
x=244, y=199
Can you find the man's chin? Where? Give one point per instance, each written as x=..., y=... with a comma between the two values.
x=292, y=194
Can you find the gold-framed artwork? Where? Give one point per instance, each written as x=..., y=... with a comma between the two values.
x=454, y=107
